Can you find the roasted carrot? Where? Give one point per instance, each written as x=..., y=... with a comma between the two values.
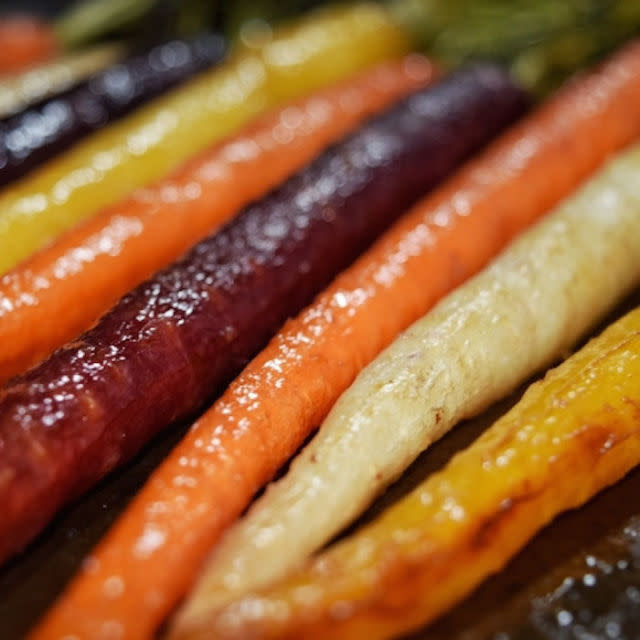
x=25, y=41
x=46, y=129
x=572, y=434
x=86, y=21
x=157, y=546
x=477, y=345
x=19, y=91
x=313, y=52
x=194, y=325
x=110, y=254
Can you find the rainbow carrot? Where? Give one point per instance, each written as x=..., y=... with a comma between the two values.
x=25, y=41
x=571, y=435
x=167, y=346
x=46, y=129
x=314, y=52
x=157, y=546
x=110, y=254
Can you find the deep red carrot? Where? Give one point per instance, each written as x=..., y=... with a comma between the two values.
x=108, y=255
x=156, y=548
x=25, y=41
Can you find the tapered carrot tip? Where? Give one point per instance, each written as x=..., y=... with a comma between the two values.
x=24, y=41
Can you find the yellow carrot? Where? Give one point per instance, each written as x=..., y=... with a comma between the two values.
x=316, y=51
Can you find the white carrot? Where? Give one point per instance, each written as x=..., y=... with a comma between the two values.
x=479, y=343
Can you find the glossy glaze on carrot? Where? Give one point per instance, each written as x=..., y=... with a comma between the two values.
x=43, y=130
x=167, y=346
x=102, y=259
x=572, y=434
x=446, y=238
x=159, y=544
x=314, y=51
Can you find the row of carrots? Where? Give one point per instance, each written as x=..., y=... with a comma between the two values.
x=163, y=351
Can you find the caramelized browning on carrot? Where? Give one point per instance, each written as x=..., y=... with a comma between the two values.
x=102, y=259
x=195, y=325
x=162, y=539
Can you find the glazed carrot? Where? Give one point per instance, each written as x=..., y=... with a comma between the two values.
x=362, y=445
x=46, y=129
x=19, y=91
x=110, y=254
x=164, y=349
x=24, y=42
x=476, y=346
x=289, y=388
x=572, y=434
x=314, y=52
x=86, y=21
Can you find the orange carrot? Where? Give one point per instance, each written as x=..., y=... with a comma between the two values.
x=24, y=42
x=108, y=255
x=153, y=553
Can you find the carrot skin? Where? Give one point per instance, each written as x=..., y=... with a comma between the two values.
x=126, y=244
x=167, y=346
x=159, y=544
x=43, y=130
